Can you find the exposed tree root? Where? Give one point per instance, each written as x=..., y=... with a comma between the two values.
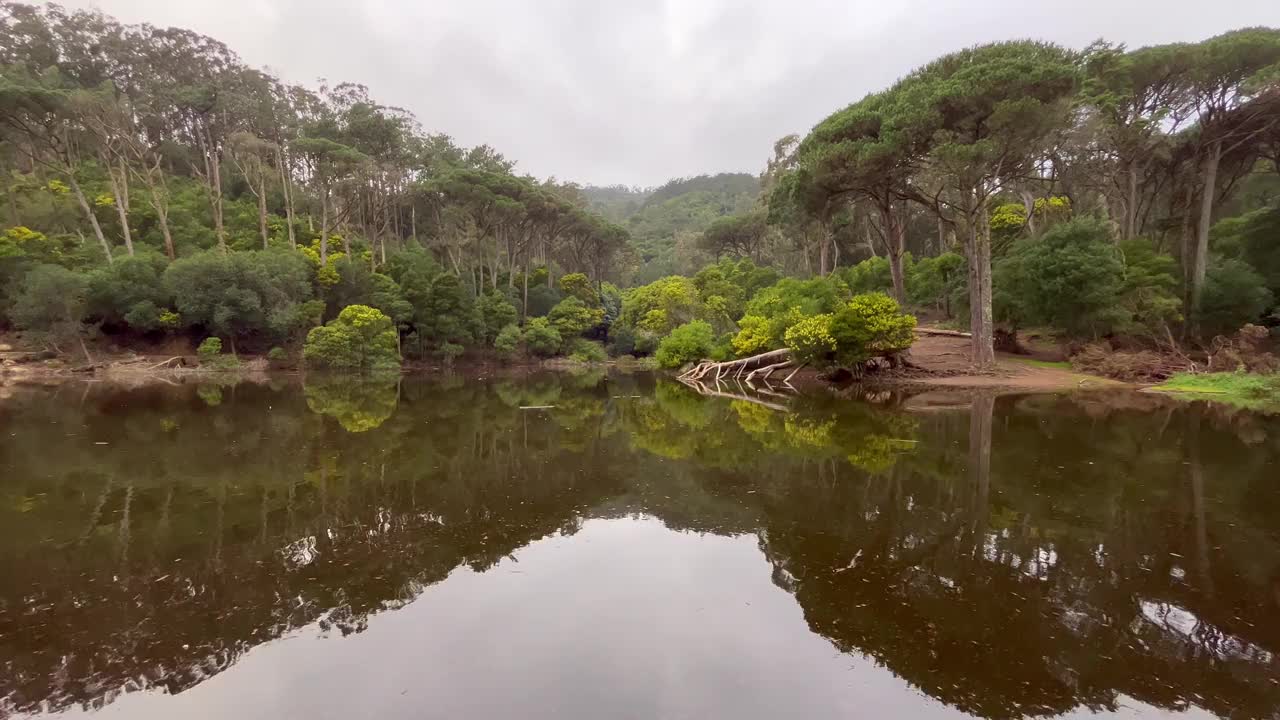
x=700, y=371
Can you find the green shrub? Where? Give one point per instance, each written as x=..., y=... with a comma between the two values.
x=209, y=349
x=811, y=341
x=622, y=341
x=646, y=344
x=540, y=338
x=507, y=343
x=689, y=342
x=870, y=325
x=361, y=339
x=496, y=313
x=571, y=317
x=1071, y=278
x=450, y=352
x=277, y=357
x=939, y=282
x=1234, y=294
x=587, y=351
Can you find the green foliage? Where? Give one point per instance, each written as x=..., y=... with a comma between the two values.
x=209, y=350
x=586, y=351
x=726, y=286
x=1149, y=291
x=496, y=313
x=870, y=325
x=242, y=294
x=622, y=341
x=507, y=342
x=874, y=275
x=1234, y=294
x=277, y=357
x=442, y=309
x=662, y=305
x=571, y=317
x=541, y=300
x=773, y=310
x=541, y=338
x=578, y=285
x=129, y=292
x=689, y=342
x=939, y=281
x=360, y=339
x=1070, y=278
x=450, y=352
x=52, y=302
x=811, y=341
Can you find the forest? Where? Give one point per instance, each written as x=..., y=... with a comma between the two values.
x=160, y=191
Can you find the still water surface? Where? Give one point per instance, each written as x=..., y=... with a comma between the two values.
x=429, y=549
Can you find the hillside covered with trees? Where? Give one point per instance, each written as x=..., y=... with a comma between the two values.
x=156, y=186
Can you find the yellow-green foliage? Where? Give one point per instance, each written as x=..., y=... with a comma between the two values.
x=326, y=276
x=1248, y=390
x=871, y=324
x=361, y=338
x=662, y=305
x=357, y=405
x=810, y=339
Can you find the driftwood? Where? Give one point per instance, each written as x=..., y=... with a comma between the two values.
x=26, y=357
x=723, y=369
x=946, y=333
x=176, y=361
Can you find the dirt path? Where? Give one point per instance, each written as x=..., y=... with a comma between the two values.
x=946, y=363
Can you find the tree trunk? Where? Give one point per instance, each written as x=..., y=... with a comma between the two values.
x=324, y=225
x=981, y=323
x=262, y=211
x=823, y=254
x=1131, y=204
x=120, y=189
x=524, y=305
x=1200, y=258
x=88, y=211
x=895, y=235
x=287, y=190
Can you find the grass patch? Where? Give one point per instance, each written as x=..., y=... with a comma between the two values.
x=1256, y=392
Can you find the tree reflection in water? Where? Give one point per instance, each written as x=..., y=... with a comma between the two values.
x=1011, y=556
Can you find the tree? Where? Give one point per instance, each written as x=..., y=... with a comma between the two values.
x=541, y=338
x=981, y=117
x=496, y=314
x=360, y=339
x=52, y=302
x=572, y=318
x=687, y=343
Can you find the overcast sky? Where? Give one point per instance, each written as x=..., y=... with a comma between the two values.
x=639, y=91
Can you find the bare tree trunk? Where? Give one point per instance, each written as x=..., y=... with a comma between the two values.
x=286, y=188
x=324, y=225
x=262, y=211
x=981, y=322
x=1131, y=204
x=895, y=235
x=823, y=253
x=88, y=211
x=1200, y=258
x=120, y=189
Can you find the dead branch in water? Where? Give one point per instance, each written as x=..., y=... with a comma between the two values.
x=721, y=369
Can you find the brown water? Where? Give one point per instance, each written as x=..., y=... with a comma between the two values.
x=419, y=549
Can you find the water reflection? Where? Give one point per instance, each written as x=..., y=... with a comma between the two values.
x=1010, y=556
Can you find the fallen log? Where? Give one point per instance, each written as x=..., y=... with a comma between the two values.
x=26, y=357
x=750, y=363
x=939, y=331
x=767, y=370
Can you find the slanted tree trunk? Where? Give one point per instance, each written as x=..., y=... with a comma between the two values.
x=88, y=211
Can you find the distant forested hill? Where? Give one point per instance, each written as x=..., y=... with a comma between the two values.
x=665, y=225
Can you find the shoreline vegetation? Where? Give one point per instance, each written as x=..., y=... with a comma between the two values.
x=993, y=214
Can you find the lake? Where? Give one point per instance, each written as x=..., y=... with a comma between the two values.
x=584, y=545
